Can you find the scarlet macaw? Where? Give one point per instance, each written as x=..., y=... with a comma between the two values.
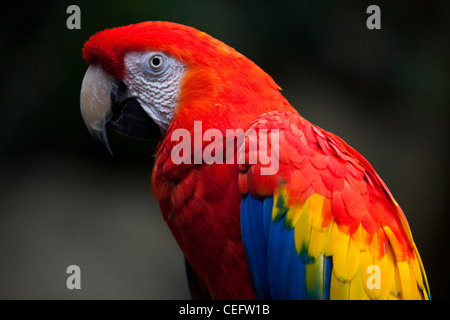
x=323, y=225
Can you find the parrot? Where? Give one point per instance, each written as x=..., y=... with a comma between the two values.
x=293, y=213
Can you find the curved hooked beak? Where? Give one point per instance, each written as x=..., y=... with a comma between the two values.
x=105, y=104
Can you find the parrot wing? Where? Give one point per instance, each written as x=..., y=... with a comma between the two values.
x=325, y=226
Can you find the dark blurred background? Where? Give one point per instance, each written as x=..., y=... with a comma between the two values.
x=63, y=201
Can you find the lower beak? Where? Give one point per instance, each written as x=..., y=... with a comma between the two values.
x=105, y=104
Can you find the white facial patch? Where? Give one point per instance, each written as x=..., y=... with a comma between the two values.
x=154, y=80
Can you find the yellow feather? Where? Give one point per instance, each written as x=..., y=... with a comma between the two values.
x=388, y=273
x=319, y=235
x=294, y=213
x=405, y=280
x=357, y=287
x=279, y=203
x=362, y=237
x=416, y=291
x=393, y=297
x=414, y=264
x=315, y=210
x=302, y=230
x=346, y=260
x=337, y=239
x=399, y=252
x=378, y=275
x=318, y=242
x=339, y=290
x=378, y=244
x=421, y=275
x=412, y=282
x=396, y=285
x=366, y=260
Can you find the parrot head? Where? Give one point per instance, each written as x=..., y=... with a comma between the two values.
x=144, y=77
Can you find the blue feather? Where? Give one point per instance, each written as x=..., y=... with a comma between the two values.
x=254, y=244
x=296, y=274
x=276, y=269
x=267, y=216
x=279, y=247
x=328, y=267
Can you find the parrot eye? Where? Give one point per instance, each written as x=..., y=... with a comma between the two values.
x=156, y=61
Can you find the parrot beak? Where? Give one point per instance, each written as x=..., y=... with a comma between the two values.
x=105, y=104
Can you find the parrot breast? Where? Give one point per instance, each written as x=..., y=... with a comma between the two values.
x=201, y=207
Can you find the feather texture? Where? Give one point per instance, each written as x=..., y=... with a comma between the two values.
x=349, y=237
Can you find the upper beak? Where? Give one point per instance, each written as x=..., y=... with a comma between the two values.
x=95, y=101
x=105, y=104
